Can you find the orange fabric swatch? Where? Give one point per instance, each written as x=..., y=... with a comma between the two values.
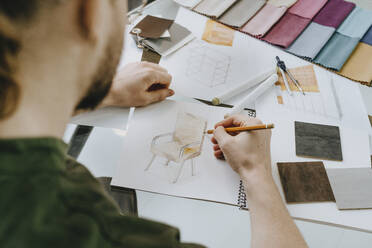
x=218, y=34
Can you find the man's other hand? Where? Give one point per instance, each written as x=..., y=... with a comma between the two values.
x=139, y=84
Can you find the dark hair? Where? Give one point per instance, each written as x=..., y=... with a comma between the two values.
x=15, y=11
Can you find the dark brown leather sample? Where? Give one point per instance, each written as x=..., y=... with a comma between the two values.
x=305, y=182
x=318, y=141
x=153, y=27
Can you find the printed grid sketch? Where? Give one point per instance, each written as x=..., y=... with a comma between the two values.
x=207, y=66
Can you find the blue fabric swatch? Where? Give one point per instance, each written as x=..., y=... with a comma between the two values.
x=357, y=23
x=336, y=52
x=368, y=37
x=311, y=41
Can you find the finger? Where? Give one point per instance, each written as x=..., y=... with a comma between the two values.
x=157, y=77
x=216, y=147
x=154, y=66
x=158, y=95
x=219, y=154
x=238, y=121
x=214, y=141
x=221, y=136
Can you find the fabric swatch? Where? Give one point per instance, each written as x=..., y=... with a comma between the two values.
x=294, y=22
x=305, y=182
x=282, y=3
x=358, y=66
x=261, y=23
x=351, y=187
x=334, y=13
x=311, y=41
x=336, y=52
x=214, y=8
x=307, y=9
x=342, y=44
x=365, y=4
x=368, y=37
x=218, y=34
x=357, y=23
x=318, y=141
x=150, y=56
x=241, y=12
x=317, y=34
x=153, y=27
x=287, y=30
x=188, y=3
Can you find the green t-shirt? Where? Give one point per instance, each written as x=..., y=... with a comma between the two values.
x=49, y=200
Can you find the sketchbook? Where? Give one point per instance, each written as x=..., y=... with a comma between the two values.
x=151, y=158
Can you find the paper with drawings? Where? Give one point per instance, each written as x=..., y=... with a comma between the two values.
x=213, y=180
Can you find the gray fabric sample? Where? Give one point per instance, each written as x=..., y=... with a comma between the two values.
x=311, y=41
x=241, y=12
x=163, y=45
x=318, y=141
x=336, y=52
x=351, y=187
x=214, y=8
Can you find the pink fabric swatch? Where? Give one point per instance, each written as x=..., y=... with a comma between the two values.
x=287, y=30
x=307, y=8
x=264, y=20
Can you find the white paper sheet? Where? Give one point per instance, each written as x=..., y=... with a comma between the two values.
x=214, y=179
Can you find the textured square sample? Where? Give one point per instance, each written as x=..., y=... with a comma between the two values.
x=305, y=182
x=318, y=141
x=358, y=66
x=264, y=20
x=218, y=34
x=287, y=30
x=214, y=8
x=241, y=12
x=351, y=187
x=336, y=52
x=311, y=41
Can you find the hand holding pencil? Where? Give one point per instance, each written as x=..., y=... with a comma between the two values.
x=245, y=152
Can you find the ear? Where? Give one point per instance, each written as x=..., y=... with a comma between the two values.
x=89, y=17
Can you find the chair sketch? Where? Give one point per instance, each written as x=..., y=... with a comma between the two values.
x=185, y=143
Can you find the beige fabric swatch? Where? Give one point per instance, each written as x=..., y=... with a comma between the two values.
x=284, y=3
x=358, y=67
x=218, y=34
x=214, y=8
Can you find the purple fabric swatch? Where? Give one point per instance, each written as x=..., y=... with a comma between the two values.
x=368, y=37
x=334, y=13
x=287, y=30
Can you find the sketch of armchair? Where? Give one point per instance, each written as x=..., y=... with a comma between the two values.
x=185, y=143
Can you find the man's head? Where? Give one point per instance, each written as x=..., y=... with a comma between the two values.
x=51, y=47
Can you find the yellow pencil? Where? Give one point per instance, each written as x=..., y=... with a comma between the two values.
x=242, y=129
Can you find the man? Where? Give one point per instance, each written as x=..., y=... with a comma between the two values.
x=59, y=56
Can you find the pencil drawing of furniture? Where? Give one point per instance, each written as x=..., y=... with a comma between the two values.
x=185, y=143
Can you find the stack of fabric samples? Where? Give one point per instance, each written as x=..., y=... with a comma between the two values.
x=331, y=33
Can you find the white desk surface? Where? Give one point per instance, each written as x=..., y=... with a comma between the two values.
x=162, y=208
